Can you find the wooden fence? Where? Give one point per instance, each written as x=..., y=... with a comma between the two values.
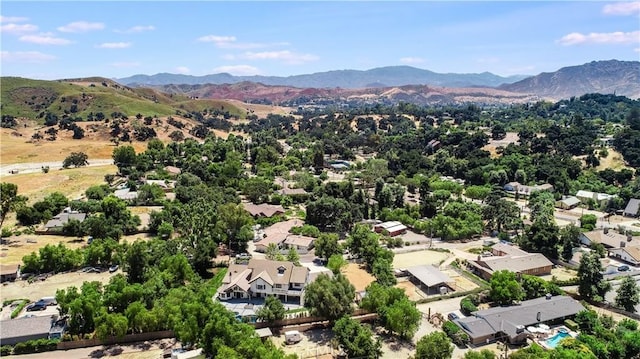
x=129, y=338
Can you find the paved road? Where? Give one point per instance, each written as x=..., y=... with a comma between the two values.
x=144, y=350
x=32, y=167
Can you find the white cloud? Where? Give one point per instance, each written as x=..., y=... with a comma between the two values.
x=81, y=26
x=284, y=55
x=44, y=39
x=216, y=39
x=136, y=29
x=18, y=28
x=249, y=45
x=411, y=60
x=26, y=56
x=229, y=57
x=13, y=18
x=622, y=8
x=125, y=64
x=114, y=45
x=637, y=49
x=618, y=37
x=182, y=70
x=241, y=70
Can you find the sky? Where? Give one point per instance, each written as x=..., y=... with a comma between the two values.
x=55, y=40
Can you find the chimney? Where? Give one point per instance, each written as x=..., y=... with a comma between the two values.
x=622, y=244
x=548, y=296
x=479, y=258
x=629, y=237
x=606, y=230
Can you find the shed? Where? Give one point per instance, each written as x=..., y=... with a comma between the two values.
x=14, y=331
x=429, y=278
x=568, y=202
x=633, y=208
x=9, y=272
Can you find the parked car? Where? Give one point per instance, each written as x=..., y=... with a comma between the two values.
x=36, y=306
x=292, y=337
x=453, y=316
x=623, y=268
x=113, y=268
x=47, y=301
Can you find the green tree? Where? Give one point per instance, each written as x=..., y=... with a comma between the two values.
x=75, y=159
x=505, y=289
x=336, y=262
x=570, y=238
x=434, y=346
x=293, y=256
x=272, y=310
x=231, y=220
x=330, y=298
x=257, y=189
x=356, y=340
x=327, y=245
x=402, y=317
x=273, y=253
x=124, y=158
x=591, y=283
x=482, y=354
x=9, y=199
x=628, y=294
x=136, y=262
x=383, y=271
x=111, y=324
x=536, y=287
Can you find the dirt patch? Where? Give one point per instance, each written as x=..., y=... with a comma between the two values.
x=358, y=276
x=405, y=260
x=48, y=287
x=613, y=160
x=414, y=293
x=459, y=282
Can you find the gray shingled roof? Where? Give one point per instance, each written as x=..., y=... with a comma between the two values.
x=428, y=275
x=21, y=327
x=632, y=207
x=507, y=319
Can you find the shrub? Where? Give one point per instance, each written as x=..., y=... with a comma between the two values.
x=571, y=324
x=458, y=337
x=18, y=309
x=5, y=350
x=467, y=306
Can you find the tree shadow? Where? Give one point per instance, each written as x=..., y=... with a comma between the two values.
x=319, y=336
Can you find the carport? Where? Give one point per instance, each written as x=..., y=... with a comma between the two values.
x=430, y=279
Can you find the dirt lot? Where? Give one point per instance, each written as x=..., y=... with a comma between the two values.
x=20, y=246
x=404, y=260
x=48, y=287
x=414, y=293
x=358, y=276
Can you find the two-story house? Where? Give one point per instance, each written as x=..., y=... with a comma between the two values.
x=260, y=278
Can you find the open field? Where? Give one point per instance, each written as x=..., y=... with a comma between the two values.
x=613, y=161
x=71, y=182
x=22, y=245
x=48, y=287
x=410, y=259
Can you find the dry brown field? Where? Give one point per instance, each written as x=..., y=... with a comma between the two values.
x=357, y=276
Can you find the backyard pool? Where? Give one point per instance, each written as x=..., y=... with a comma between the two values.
x=554, y=340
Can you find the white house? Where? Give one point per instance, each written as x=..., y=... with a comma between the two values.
x=602, y=199
x=261, y=277
x=628, y=254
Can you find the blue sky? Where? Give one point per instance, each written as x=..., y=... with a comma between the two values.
x=53, y=40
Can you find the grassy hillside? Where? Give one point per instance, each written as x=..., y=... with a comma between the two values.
x=32, y=99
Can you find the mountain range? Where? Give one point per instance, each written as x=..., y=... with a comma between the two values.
x=378, y=77
x=607, y=77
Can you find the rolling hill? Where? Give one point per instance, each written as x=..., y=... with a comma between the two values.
x=389, y=76
x=32, y=99
x=605, y=77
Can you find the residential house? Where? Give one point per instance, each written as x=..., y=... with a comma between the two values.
x=394, y=228
x=524, y=190
x=434, y=145
x=512, y=258
x=609, y=238
x=601, y=199
x=302, y=244
x=9, y=272
x=261, y=278
x=568, y=202
x=633, y=208
x=630, y=255
x=167, y=186
x=263, y=210
x=510, y=323
x=276, y=234
x=56, y=223
x=430, y=279
x=19, y=330
x=126, y=194
x=173, y=171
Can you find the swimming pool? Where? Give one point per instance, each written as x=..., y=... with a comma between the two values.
x=554, y=340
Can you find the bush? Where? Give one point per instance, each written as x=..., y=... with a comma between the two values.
x=467, y=306
x=571, y=324
x=5, y=350
x=458, y=337
x=18, y=309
